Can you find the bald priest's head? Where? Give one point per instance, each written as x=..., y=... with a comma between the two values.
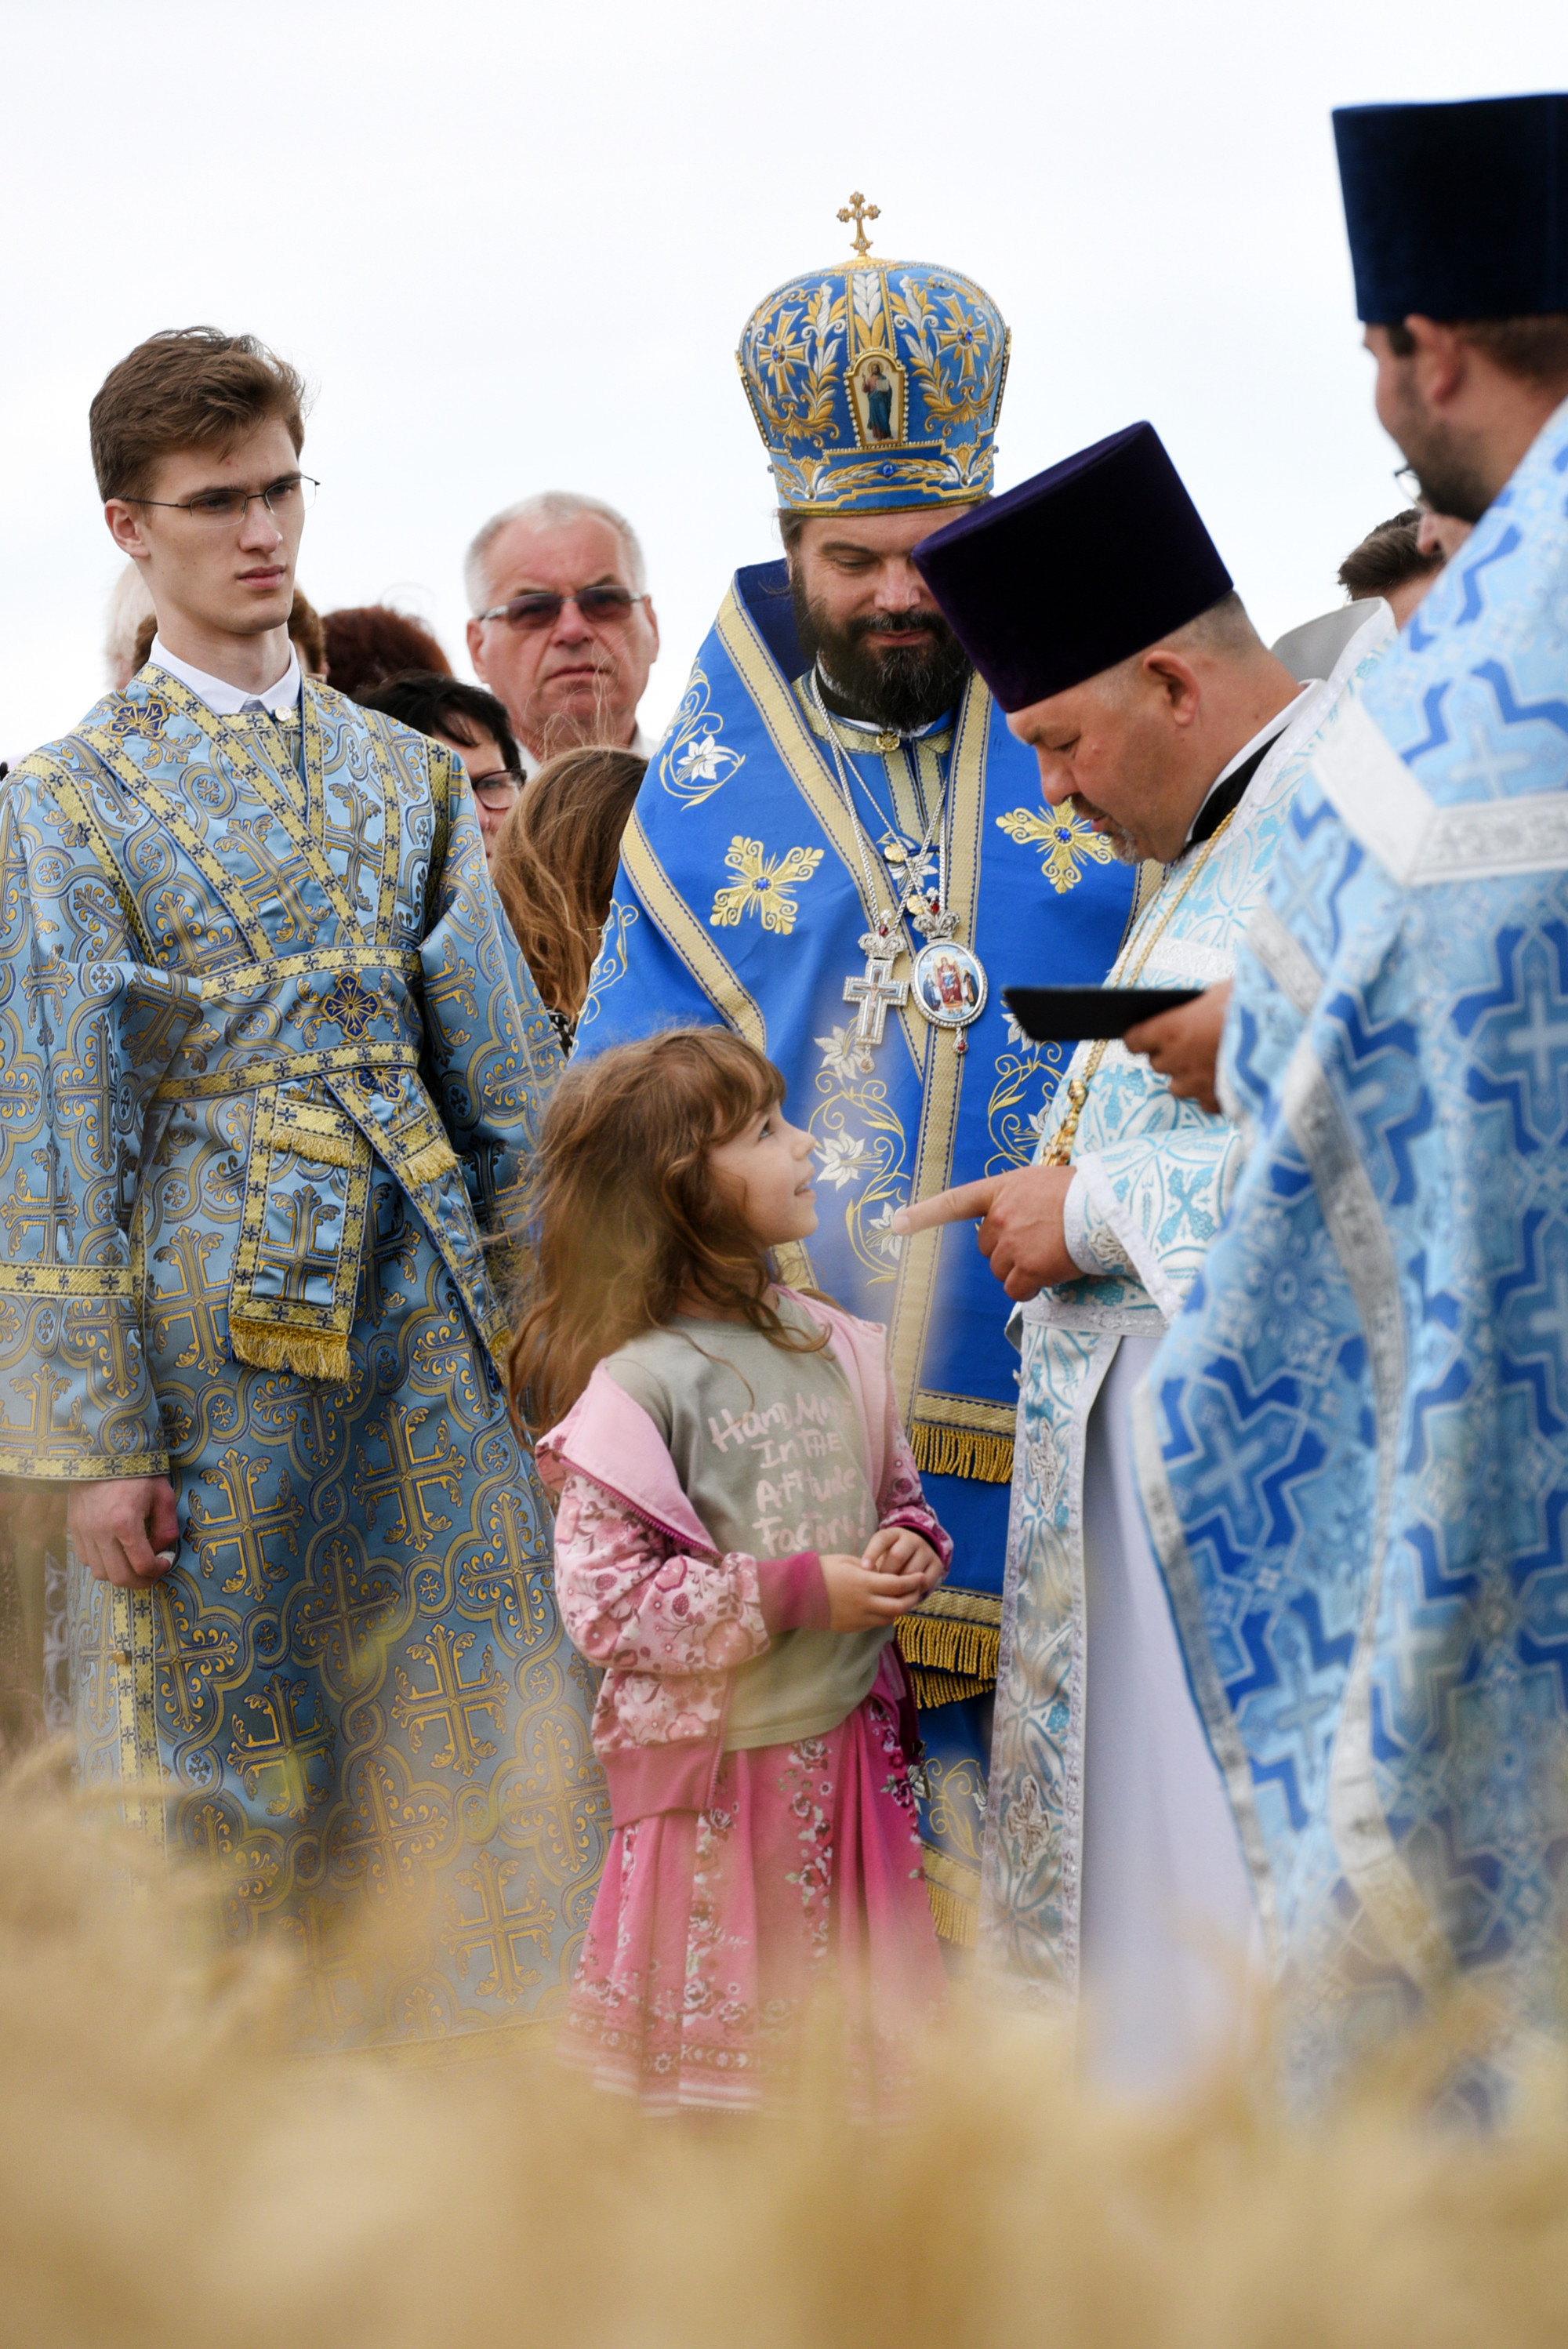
x=1094, y=604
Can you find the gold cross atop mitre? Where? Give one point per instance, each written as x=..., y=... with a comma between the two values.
x=859, y=212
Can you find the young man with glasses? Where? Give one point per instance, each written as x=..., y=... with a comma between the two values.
x=266, y=1072
x=563, y=630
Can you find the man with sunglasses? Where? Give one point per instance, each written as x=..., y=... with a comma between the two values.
x=564, y=630
x=265, y=1067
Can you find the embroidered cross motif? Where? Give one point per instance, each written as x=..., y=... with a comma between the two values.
x=197, y=1300
x=305, y=1252
x=764, y=887
x=43, y=1390
x=277, y=880
x=192, y=1658
x=298, y=1750
x=499, y=1929
x=1064, y=840
x=408, y=1477
x=349, y=1007
x=454, y=1703
x=245, y=1526
x=52, y=1216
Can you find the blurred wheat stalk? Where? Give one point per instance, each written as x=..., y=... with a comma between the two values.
x=171, y=2175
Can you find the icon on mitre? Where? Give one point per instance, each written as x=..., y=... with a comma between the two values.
x=877, y=389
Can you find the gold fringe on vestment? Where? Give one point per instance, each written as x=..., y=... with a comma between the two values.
x=947, y=1659
x=429, y=1163
x=274, y=1346
x=954, y=1893
x=961, y=1452
x=320, y=1149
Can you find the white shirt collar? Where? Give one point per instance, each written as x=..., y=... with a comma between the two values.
x=226, y=701
x=1267, y=732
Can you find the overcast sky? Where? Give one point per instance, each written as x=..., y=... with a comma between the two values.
x=513, y=247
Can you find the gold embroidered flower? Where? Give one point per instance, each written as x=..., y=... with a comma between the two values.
x=765, y=885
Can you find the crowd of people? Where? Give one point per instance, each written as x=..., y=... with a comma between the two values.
x=509, y=1423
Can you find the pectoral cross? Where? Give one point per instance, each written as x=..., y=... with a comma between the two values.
x=859, y=212
x=878, y=991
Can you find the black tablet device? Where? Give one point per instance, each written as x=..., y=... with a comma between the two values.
x=1061, y=1015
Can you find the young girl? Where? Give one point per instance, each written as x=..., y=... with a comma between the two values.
x=740, y=1526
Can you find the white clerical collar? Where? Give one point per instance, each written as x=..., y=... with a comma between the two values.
x=870, y=725
x=226, y=701
x=1269, y=732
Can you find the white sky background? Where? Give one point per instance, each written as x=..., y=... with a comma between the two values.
x=513, y=247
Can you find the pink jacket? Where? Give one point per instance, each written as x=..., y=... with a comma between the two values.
x=643, y=1592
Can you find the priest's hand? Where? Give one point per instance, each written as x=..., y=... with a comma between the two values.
x=125, y=1529
x=1020, y=1229
x=1185, y=1044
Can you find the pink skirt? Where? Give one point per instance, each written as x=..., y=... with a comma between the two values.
x=715, y=1930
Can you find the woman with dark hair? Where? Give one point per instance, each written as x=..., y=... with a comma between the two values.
x=555, y=869
x=472, y=723
x=368, y=643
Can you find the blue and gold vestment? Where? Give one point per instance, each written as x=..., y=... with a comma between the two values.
x=741, y=892
x=1354, y=1444
x=263, y=1073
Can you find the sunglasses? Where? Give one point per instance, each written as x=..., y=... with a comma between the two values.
x=607, y=606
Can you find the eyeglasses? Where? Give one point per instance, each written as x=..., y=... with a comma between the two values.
x=610, y=606
x=294, y=494
x=1410, y=481
x=498, y=788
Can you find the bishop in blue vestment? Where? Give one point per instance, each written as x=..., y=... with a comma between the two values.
x=840, y=851
x=1354, y=1444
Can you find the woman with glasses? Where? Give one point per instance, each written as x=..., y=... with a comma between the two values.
x=473, y=725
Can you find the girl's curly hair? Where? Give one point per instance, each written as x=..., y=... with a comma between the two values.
x=627, y=1222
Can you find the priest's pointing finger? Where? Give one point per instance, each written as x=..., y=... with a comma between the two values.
x=965, y=1204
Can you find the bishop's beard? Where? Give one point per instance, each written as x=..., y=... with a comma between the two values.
x=903, y=688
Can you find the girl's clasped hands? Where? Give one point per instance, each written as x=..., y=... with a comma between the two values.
x=895, y=1571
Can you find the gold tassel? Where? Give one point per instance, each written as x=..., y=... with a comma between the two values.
x=954, y=1920
x=941, y=1451
x=274, y=1346
x=320, y=1149
x=930, y=1689
x=429, y=1165
x=945, y=1644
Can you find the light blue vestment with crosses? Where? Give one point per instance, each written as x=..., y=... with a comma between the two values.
x=264, y=1075
x=1354, y=1444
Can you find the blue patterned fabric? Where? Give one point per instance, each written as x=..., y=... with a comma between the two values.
x=262, y=1074
x=1155, y=1175
x=741, y=895
x=1354, y=1444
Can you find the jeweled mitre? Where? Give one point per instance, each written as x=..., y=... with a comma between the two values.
x=876, y=384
